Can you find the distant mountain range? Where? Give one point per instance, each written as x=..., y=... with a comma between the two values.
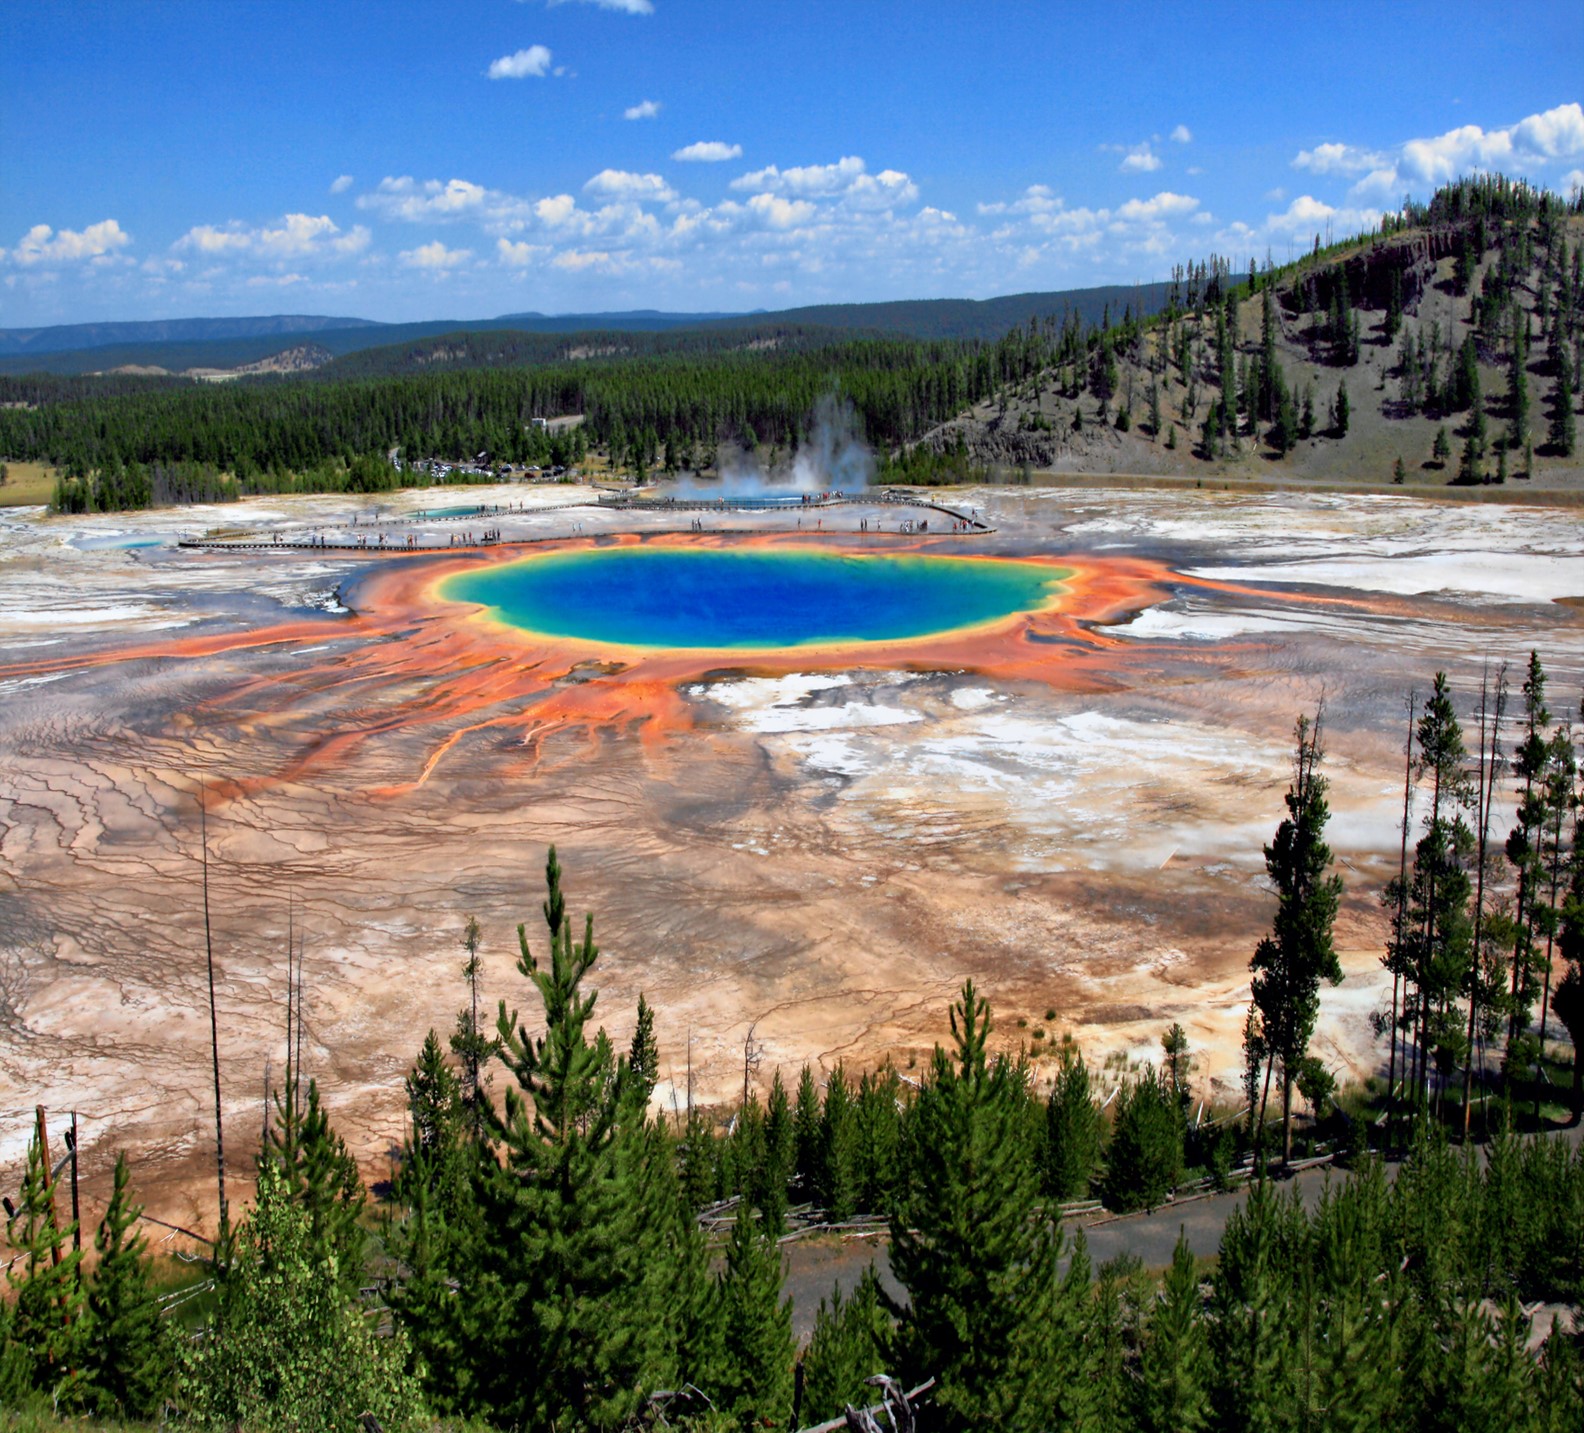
x=177, y=345
x=73, y=336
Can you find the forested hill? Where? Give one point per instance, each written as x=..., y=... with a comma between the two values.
x=177, y=345
x=1445, y=346
x=73, y=336
x=30, y=342
x=513, y=348
x=987, y=319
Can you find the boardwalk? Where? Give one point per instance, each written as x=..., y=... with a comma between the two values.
x=404, y=535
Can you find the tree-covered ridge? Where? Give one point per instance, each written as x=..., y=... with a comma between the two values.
x=181, y=344
x=270, y=433
x=1282, y=363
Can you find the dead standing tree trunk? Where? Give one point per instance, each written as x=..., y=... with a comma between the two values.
x=214, y=1022
x=895, y=1405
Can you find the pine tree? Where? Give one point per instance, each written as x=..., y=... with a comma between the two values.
x=1144, y=1159
x=1173, y=1387
x=438, y=1120
x=1176, y=1066
x=806, y=1135
x=1563, y=817
x=1341, y=411
x=1524, y=844
x=779, y=1159
x=876, y=1134
x=747, y=1145
x=690, y=1309
x=46, y=1312
x=472, y=1046
x=1568, y=1000
x=985, y=1314
x=752, y=1384
x=1072, y=1131
x=850, y=1343
x=1438, y=940
x=1250, y=1333
x=1394, y=310
x=318, y=1171
x=1347, y=1301
x=1441, y=448
x=1111, y=1340
x=578, y=1341
x=838, y=1149
x=1471, y=467
x=445, y=1331
x=643, y=1057
x=437, y=1242
x=1484, y=1374
x=129, y=1355
x=1518, y=380
x=1290, y=963
x=1562, y=432
x=1466, y=380
x=699, y=1157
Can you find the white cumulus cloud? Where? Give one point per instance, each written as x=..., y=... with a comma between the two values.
x=296, y=236
x=1307, y=215
x=437, y=201
x=44, y=245
x=1182, y=135
x=624, y=7
x=555, y=210
x=644, y=109
x=534, y=62
x=576, y=260
x=1164, y=205
x=708, y=151
x=781, y=213
x=435, y=257
x=1338, y=159
x=341, y=184
x=622, y=184
x=884, y=190
x=816, y=180
x=518, y=255
x=847, y=180
x=1534, y=142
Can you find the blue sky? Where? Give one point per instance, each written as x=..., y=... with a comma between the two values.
x=412, y=160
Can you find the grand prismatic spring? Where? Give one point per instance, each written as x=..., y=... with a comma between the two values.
x=806, y=782
x=758, y=599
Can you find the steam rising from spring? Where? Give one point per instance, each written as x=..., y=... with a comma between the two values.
x=833, y=458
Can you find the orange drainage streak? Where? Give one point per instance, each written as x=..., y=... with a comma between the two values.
x=408, y=661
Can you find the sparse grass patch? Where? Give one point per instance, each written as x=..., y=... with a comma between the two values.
x=27, y=485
